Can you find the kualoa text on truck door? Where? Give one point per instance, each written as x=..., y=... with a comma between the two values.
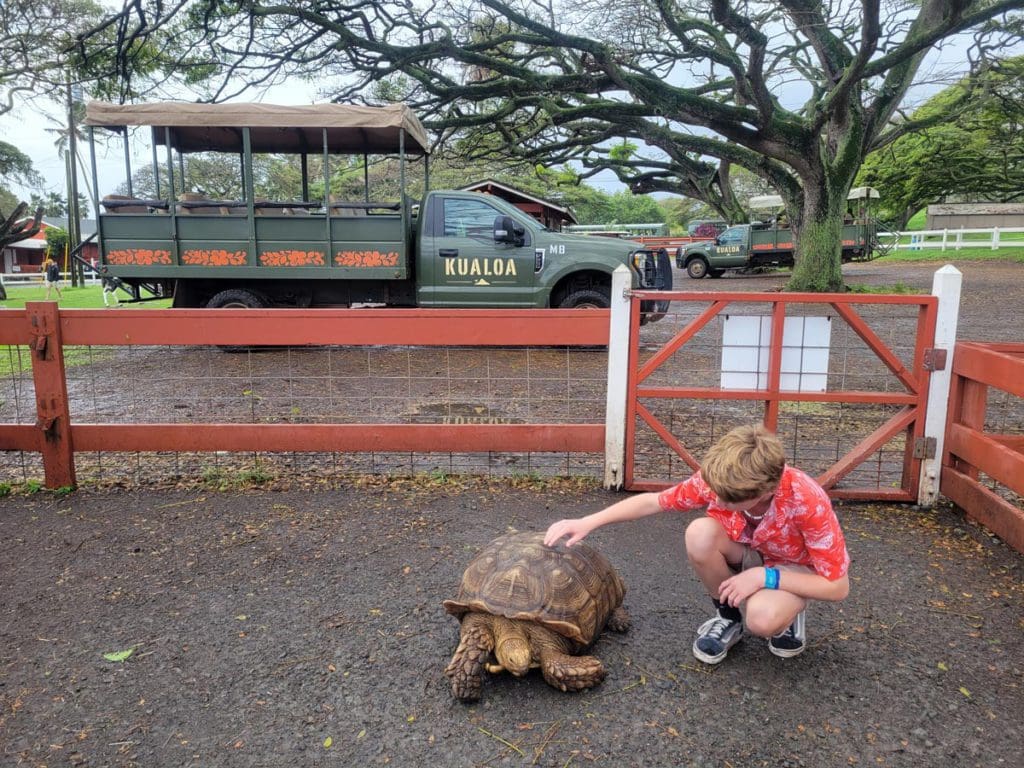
x=444, y=249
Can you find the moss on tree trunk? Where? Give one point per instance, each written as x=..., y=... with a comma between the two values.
x=818, y=267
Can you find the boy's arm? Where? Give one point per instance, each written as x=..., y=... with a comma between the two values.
x=811, y=586
x=576, y=529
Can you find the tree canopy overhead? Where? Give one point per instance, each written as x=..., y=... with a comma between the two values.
x=977, y=157
x=798, y=92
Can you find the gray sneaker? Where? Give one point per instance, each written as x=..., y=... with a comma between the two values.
x=793, y=641
x=715, y=637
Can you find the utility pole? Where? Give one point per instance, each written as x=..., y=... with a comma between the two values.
x=74, y=219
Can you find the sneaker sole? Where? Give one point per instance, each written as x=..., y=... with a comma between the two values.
x=707, y=658
x=786, y=653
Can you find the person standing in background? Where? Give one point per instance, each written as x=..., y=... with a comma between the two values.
x=51, y=274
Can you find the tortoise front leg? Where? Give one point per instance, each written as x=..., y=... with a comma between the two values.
x=571, y=673
x=560, y=668
x=475, y=645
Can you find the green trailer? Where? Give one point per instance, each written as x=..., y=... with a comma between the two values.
x=442, y=249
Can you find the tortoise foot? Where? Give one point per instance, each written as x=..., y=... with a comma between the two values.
x=466, y=667
x=619, y=621
x=572, y=673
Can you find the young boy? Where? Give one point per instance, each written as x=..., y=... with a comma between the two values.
x=770, y=541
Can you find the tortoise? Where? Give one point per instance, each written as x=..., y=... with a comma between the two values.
x=523, y=605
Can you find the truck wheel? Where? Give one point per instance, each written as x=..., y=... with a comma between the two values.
x=697, y=268
x=599, y=298
x=236, y=298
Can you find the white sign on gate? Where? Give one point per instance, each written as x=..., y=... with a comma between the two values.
x=805, y=348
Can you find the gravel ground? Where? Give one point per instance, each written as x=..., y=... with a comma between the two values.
x=304, y=627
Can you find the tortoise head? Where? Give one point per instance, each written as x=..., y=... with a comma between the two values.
x=512, y=646
x=513, y=654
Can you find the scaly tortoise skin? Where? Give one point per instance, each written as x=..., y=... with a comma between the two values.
x=524, y=605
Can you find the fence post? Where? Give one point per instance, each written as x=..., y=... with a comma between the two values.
x=618, y=365
x=995, y=238
x=51, y=388
x=946, y=286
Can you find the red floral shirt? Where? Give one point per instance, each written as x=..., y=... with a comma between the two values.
x=799, y=528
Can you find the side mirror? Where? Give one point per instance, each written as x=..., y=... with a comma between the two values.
x=508, y=230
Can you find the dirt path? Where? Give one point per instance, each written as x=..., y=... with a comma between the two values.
x=265, y=624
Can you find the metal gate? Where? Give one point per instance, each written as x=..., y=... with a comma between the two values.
x=842, y=379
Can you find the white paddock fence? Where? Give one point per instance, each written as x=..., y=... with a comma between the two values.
x=954, y=239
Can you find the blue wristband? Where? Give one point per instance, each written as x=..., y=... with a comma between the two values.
x=771, y=578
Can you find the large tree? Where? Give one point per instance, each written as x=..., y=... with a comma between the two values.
x=799, y=92
x=977, y=157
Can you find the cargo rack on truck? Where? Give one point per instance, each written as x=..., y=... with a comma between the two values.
x=153, y=242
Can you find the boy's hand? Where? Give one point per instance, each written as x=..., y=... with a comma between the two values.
x=574, y=529
x=738, y=588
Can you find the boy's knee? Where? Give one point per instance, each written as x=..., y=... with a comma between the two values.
x=765, y=618
x=702, y=539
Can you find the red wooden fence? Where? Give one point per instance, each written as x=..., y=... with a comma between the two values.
x=46, y=329
x=971, y=451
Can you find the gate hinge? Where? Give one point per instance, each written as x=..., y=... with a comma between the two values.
x=925, y=447
x=934, y=359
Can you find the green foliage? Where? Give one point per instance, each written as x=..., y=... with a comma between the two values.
x=56, y=240
x=973, y=151
x=620, y=153
x=55, y=204
x=15, y=165
x=902, y=288
x=8, y=202
x=5, y=489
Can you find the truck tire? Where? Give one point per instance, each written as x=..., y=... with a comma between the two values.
x=697, y=268
x=237, y=298
x=587, y=298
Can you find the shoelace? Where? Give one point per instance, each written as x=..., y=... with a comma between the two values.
x=718, y=627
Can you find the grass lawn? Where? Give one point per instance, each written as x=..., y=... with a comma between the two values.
x=951, y=256
x=979, y=252
x=14, y=360
x=87, y=297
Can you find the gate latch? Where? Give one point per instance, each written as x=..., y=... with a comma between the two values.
x=934, y=359
x=925, y=447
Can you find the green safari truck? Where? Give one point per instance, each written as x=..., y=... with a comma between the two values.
x=443, y=249
x=747, y=246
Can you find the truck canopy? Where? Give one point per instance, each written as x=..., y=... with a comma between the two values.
x=191, y=127
x=770, y=202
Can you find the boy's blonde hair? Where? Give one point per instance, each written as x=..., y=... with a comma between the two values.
x=744, y=464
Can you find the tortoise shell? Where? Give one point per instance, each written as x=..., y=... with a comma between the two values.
x=570, y=590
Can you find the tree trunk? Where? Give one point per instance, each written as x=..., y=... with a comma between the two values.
x=818, y=258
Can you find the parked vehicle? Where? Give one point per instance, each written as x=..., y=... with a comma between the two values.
x=449, y=249
x=706, y=227
x=769, y=243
